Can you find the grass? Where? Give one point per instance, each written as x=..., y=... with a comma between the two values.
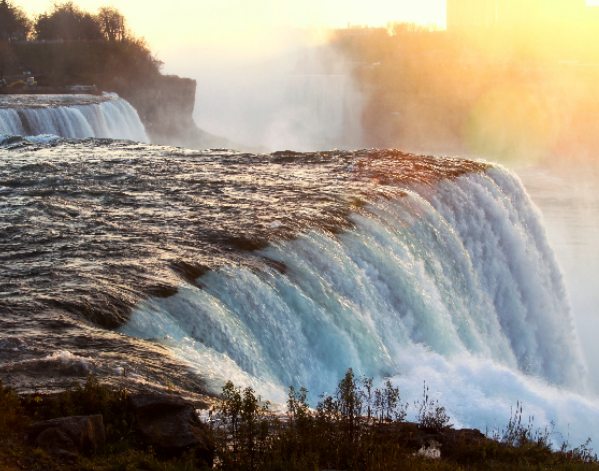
x=358, y=428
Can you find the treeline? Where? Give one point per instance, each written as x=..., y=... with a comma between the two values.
x=69, y=46
x=64, y=21
x=14, y=23
x=358, y=427
x=67, y=22
x=525, y=92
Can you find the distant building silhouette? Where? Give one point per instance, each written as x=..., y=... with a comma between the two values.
x=507, y=13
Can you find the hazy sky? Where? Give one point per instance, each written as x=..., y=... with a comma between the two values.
x=257, y=26
x=187, y=34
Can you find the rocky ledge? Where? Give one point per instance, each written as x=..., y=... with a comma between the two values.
x=167, y=423
x=44, y=101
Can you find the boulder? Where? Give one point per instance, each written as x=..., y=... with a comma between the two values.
x=56, y=442
x=171, y=426
x=71, y=435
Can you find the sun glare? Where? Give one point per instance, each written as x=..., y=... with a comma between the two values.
x=210, y=23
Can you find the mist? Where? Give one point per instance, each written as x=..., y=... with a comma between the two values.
x=294, y=92
x=503, y=95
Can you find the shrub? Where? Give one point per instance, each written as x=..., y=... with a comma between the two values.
x=11, y=412
x=241, y=427
x=430, y=414
x=95, y=398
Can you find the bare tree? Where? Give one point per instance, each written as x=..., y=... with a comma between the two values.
x=112, y=23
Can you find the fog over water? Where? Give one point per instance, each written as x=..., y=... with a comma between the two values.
x=304, y=99
x=566, y=193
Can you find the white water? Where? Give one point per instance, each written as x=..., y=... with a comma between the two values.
x=115, y=119
x=566, y=192
x=456, y=286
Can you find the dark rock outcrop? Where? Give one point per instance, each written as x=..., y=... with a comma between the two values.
x=451, y=438
x=443, y=443
x=171, y=426
x=165, y=105
x=70, y=435
x=56, y=442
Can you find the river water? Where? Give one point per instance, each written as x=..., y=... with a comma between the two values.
x=158, y=267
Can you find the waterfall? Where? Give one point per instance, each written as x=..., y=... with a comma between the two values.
x=317, y=104
x=453, y=284
x=115, y=119
x=283, y=269
x=300, y=112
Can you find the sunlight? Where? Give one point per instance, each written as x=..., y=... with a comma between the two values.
x=213, y=24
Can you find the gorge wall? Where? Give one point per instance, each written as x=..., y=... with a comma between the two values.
x=165, y=104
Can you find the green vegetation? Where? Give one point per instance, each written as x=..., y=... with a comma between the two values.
x=69, y=46
x=11, y=412
x=364, y=429
x=93, y=398
x=109, y=65
x=67, y=22
x=359, y=428
x=123, y=450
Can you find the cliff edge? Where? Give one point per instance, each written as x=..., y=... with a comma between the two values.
x=165, y=105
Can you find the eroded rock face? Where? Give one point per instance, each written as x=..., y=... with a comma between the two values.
x=69, y=435
x=171, y=426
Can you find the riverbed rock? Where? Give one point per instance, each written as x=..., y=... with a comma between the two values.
x=69, y=435
x=171, y=426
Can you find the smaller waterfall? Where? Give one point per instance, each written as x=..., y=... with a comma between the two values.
x=114, y=119
x=299, y=112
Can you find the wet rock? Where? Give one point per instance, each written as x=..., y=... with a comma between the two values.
x=171, y=426
x=78, y=434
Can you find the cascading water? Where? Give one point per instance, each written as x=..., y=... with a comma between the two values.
x=114, y=118
x=285, y=269
x=458, y=278
x=465, y=268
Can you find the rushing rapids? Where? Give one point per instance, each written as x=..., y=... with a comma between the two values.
x=145, y=264
x=72, y=116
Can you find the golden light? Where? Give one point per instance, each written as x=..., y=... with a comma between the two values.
x=222, y=23
x=511, y=123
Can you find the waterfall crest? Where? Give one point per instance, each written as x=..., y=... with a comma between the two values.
x=463, y=268
x=283, y=269
x=115, y=119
